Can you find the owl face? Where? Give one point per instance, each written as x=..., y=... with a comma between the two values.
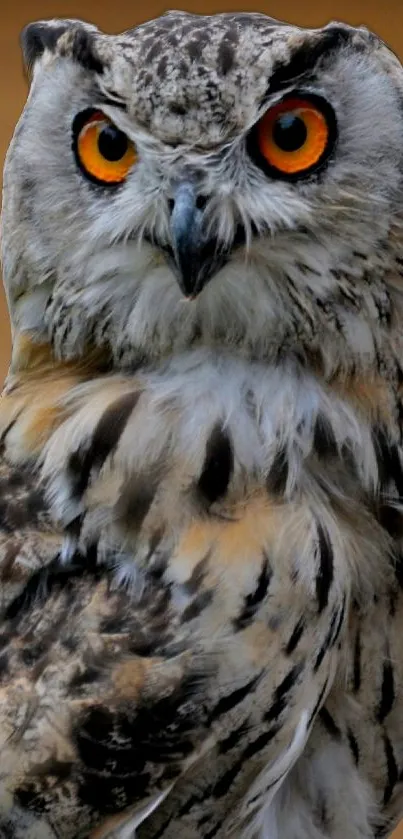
x=226, y=180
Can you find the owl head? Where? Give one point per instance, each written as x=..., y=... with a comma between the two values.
x=226, y=181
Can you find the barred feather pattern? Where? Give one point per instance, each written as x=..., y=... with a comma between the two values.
x=201, y=501
x=221, y=549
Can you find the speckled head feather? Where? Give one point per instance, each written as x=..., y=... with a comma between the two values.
x=312, y=264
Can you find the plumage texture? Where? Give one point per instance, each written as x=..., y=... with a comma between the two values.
x=200, y=558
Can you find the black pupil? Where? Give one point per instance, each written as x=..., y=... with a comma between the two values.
x=289, y=132
x=112, y=143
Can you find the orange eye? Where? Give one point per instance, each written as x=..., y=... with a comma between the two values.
x=104, y=153
x=295, y=136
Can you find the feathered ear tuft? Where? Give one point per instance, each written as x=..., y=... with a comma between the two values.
x=41, y=35
x=38, y=36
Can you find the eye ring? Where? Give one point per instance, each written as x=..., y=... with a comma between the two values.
x=306, y=126
x=103, y=153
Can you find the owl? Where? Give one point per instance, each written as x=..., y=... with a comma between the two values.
x=201, y=463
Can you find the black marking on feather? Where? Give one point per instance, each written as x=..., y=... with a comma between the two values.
x=253, y=601
x=387, y=692
x=391, y=519
x=233, y=739
x=296, y=636
x=227, y=50
x=324, y=577
x=31, y=798
x=4, y=662
x=163, y=828
x=218, y=466
x=116, y=747
x=399, y=569
x=223, y=785
x=280, y=694
x=389, y=464
x=197, y=606
x=324, y=440
x=392, y=770
x=193, y=583
x=331, y=635
x=194, y=800
x=357, y=664
x=226, y=703
x=104, y=440
x=353, y=746
x=136, y=498
x=278, y=475
x=83, y=50
x=318, y=704
x=54, y=576
x=329, y=723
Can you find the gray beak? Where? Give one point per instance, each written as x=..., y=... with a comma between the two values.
x=196, y=256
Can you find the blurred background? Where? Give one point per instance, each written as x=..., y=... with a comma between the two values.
x=385, y=18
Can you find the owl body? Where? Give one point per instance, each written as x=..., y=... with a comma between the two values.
x=201, y=434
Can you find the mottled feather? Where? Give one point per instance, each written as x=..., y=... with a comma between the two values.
x=201, y=499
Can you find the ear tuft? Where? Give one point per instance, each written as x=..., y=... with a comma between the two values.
x=44, y=35
x=38, y=36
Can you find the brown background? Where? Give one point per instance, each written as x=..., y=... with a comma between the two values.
x=383, y=16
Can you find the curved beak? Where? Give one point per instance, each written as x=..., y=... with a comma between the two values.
x=196, y=257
